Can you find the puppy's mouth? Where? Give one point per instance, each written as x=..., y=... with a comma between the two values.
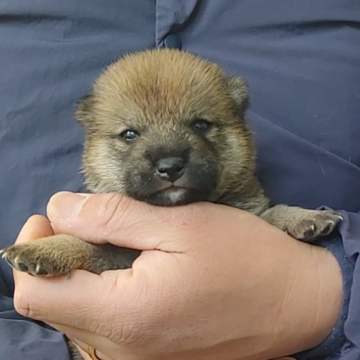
x=200, y=186
x=175, y=195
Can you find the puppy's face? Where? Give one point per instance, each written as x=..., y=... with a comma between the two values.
x=165, y=127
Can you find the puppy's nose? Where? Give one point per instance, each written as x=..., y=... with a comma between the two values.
x=170, y=169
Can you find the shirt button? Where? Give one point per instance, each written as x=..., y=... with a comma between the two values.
x=173, y=41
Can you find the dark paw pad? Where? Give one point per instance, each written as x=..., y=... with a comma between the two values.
x=22, y=266
x=33, y=260
x=315, y=224
x=41, y=272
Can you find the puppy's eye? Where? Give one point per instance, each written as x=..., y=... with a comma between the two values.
x=129, y=135
x=201, y=126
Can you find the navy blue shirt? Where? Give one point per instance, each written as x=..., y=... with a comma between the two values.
x=302, y=63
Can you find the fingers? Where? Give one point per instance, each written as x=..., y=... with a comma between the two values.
x=100, y=217
x=79, y=296
x=36, y=227
x=55, y=293
x=118, y=219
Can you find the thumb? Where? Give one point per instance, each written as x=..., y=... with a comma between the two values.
x=122, y=221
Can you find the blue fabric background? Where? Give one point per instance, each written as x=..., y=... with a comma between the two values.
x=300, y=58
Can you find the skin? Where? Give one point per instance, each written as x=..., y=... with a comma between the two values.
x=288, y=301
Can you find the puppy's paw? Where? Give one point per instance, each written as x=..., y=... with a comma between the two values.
x=52, y=256
x=35, y=260
x=302, y=224
x=312, y=224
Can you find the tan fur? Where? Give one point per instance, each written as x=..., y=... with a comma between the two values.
x=159, y=94
x=165, y=90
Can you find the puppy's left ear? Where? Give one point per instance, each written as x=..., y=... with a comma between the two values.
x=84, y=110
x=239, y=91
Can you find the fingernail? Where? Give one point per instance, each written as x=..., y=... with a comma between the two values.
x=66, y=205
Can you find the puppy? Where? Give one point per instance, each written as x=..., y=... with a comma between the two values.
x=167, y=128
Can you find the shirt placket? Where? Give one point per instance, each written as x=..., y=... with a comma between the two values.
x=171, y=15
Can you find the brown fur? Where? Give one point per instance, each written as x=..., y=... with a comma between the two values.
x=159, y=94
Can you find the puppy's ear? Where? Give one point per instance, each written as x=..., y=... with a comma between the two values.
x=84, y=110
x=238, y=90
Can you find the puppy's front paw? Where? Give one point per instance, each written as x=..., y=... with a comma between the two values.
x=35, y=260
x=51, y=256
x=313, y=224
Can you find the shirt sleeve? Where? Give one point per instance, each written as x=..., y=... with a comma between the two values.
x=344, y=341
x=22, y=338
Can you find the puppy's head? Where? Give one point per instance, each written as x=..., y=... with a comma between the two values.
x=166, y=127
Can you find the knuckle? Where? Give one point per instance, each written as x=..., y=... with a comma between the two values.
x=111, y=212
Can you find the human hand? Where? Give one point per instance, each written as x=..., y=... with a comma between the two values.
x=38, y=227
x=212, y=283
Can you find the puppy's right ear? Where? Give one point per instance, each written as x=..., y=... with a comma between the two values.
x=84, y=110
